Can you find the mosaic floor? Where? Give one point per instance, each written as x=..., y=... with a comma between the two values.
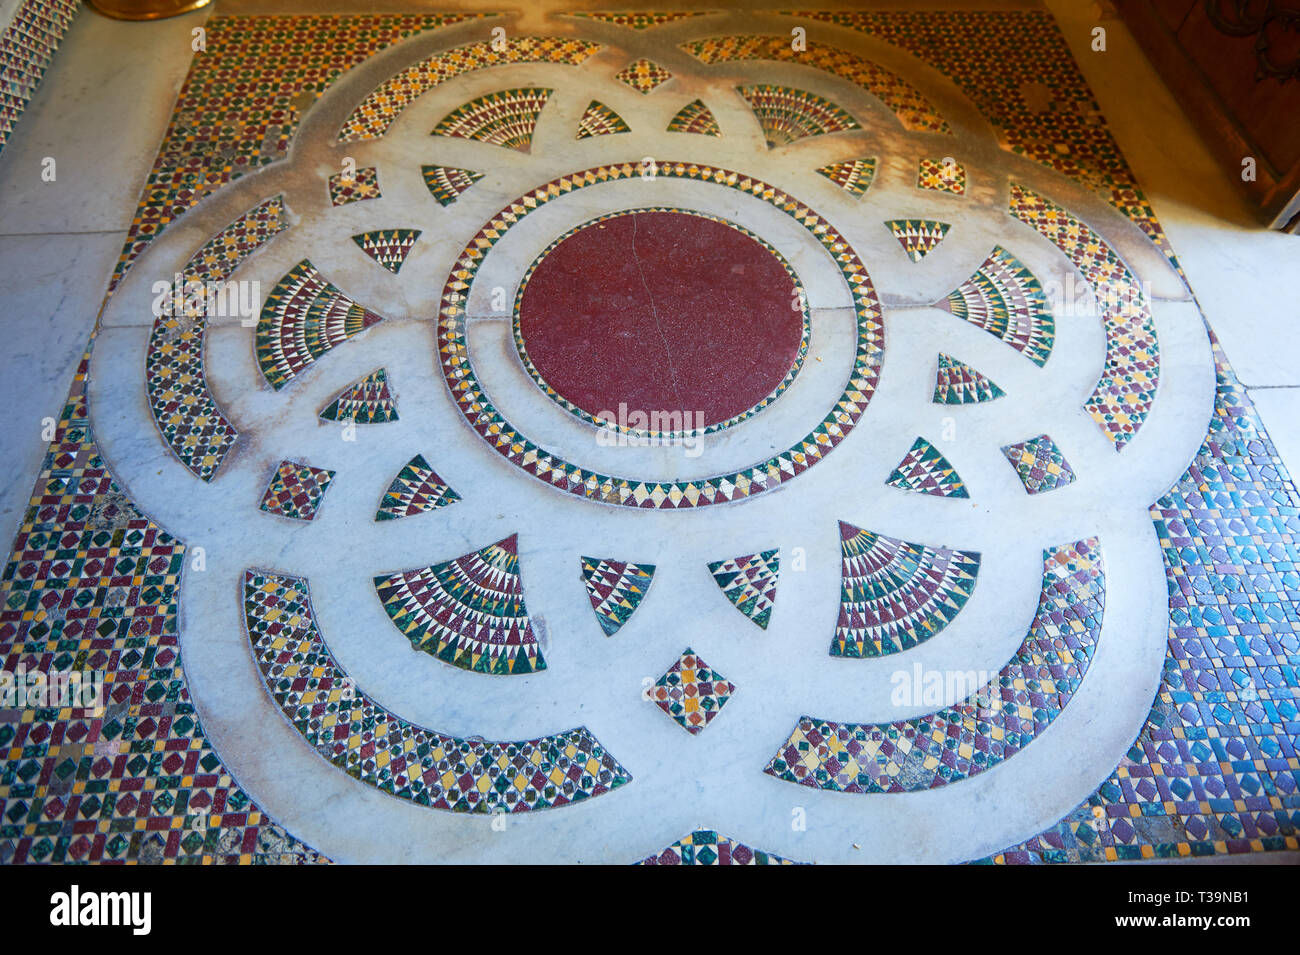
x=456, y=387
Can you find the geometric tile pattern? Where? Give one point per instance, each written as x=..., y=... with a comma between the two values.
x=280, y=66
x=895, y=595
x=1127, y=386
x=637, y=21
x=446, y=183
x=501, y=435
x=381, y=749
x=694, y=117
x=182, y=404
x=27, y=45
x=986, y=728
x=304, y=317
x=957, y=383
x=1039, y=464
x=416, y=489
x=999, y=59
x=691, y=693
x=505, y=118
x=709, y=847
x=917, y=236
x=925, y=469
x=615, y=589
x=296, y=490
x=91, y=584
x=1005, y=299
x=908, y=105
x=853, y=175
x=643, y=75
x=371, y=119
x=749, y=582
x=786, y=114
x=1215, y=769
x=941, y=176
x=599, y=120
x=345, y=188
x=388, y=247
x=367, y=401
x=468, y=612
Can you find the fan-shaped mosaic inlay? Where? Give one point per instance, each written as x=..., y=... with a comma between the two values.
x=787, y=115
x=639, y=20
x=706, y=335
x=1005, y=300
x=368, y=401
x=695, y=117
x=388, y=247
x=383, y=750
x=957, y=383
x=988, y=727
x=749, y=582
x=506, y=118
x=1127, y=387
x=416, y=489
x=599, y=120
x=385, y=103
x=631, y=492
x=179, y=397
x=615, y=589
x=304, y=317
x=918, y=237
x=853, y=175
x=924, y=469
x=710, y=847
x=468, y=612
x=908, y=105
x=895, y=595
x=446, y=183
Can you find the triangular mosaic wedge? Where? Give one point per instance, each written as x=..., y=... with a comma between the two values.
x=388, y=247
x=918, y=237
x=924, y=469
x=468, y=612
x=446, y=183
x=367, y=401
x=853, y=175
x=895, y=595
x=599, y=120
x=615, y=589
x=416, y=489
x=749, y=582
x=957, y=383
x=695, y=117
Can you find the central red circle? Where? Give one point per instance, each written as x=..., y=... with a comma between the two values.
x=661, y=312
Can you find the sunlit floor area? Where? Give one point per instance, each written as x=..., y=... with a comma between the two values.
x=721, y=436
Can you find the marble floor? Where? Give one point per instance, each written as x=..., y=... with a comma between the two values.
x=834, y=436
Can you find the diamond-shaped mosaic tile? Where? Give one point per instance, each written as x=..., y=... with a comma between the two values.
x=345, y=188
x=691, y=693
x=1039, y=464
x=643, y=75
x=942, y=176
x=296, y=490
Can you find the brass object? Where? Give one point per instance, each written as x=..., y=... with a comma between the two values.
x=146, y=9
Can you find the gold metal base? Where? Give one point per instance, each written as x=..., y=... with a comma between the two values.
x=146, y=9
